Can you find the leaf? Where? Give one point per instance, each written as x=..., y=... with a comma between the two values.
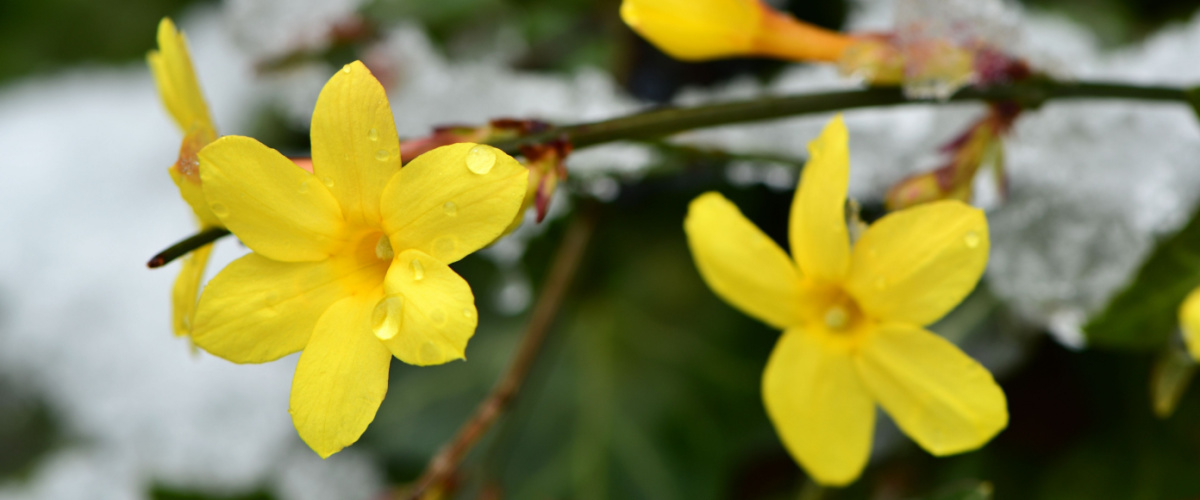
x=648, y=387
x=1145, y=313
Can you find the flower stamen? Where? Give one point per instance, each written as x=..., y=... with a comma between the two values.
x=383, y=248
x=836, y=318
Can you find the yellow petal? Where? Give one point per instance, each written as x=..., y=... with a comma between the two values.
x=341, y=377
x=740, y=263
x=818, y=236
x=258, y=310
x=939, y=396
x=1189, y=322
x=193, y=194
x=187, y=287
x=172, y=68
x=354, y=145
x=819, y=407
x=695, y=30
x=915, y=265
x=429, y=312
x=268, y=202
x=453, y=200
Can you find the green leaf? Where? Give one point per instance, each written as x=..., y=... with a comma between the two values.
x=1144, y=315
x=649, y=386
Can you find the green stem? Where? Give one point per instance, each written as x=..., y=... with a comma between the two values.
x=666, y=121
x=662, y=122
x=183, y=247
x=693, y=152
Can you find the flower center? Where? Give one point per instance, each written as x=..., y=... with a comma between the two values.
x=383, y=248
x=836, y=318
x=831, y=309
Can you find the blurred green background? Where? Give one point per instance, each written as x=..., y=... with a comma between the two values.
x=649, y=385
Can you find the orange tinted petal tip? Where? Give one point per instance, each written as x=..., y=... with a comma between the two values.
x=712, y=29
x=783, y=36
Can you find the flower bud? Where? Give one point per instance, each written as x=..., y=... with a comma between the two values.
x=699, y=30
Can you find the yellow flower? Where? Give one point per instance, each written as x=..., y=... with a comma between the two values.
x=852, y=317
x=350, y=262
x=1189, y=322
x=697, y=30
x=180, y=92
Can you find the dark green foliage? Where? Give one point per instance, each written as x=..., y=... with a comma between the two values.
x=42, y=35
x=28, y=430
x=1144, y=315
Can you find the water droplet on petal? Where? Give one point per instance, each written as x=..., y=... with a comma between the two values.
x=468, y=312
x=387, y=317
x=373, y=135
x=328, y=181
x=418, y=270
x=346, y=69
x=382, y=155
x=438, y=316
x=219, y=209
x=480, y=159
x=303, y=187
x=450, y=208
x=972, y=239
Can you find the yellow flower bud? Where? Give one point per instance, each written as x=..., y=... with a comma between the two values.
x=698, y=30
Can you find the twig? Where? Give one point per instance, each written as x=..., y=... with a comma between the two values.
x=718, y=154
x=187, y=245
x=666, y=121
x=662, y=122
x=562, y=272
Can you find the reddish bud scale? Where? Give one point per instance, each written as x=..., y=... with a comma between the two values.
x=546, y=163
x=968, y=153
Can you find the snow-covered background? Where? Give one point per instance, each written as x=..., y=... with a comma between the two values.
x=86, y=200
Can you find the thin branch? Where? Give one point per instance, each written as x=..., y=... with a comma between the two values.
x=562, y=273
x=718, y=154
x=666, y=121
x=183, y=247
x=662, y=122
